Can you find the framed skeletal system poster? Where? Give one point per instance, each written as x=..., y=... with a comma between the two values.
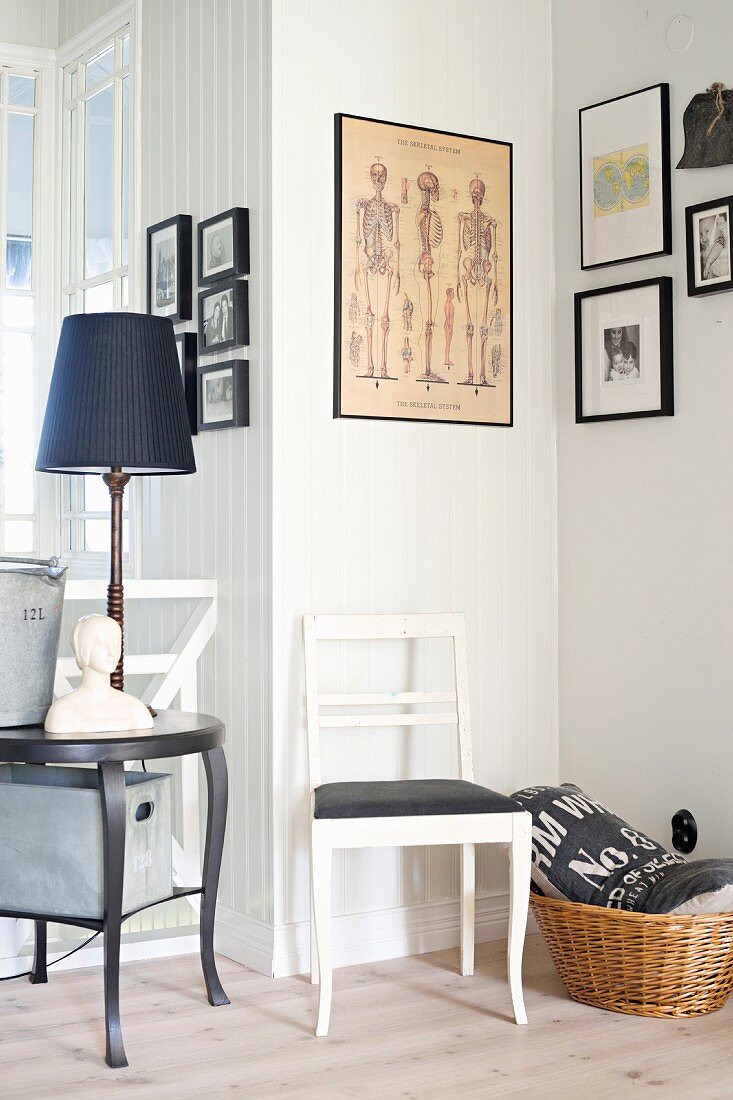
x=423, y=293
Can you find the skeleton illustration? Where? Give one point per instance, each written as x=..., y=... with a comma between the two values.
x=378, y=230
x=355, y=348
x=405, y=185
x=497, y=323
x=406, y=354
x=450, y=311
x=476, y=261
x=430, y=235
x=354, y=310
x=496, y=360
x=407, y=308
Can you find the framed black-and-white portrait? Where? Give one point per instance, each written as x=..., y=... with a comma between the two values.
x=708, y=246
x=625, y=178
x=169, y=268
x=186, y=345
x=223, y=395
x=623, y=351
x=223, y=317
x=224, y=246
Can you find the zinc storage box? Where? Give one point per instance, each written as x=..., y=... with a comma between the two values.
x=51, y=853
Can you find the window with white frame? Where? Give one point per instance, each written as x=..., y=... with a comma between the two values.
x=96, y=220
x=19, y=281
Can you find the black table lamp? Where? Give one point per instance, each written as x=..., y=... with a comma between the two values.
x=116, y=407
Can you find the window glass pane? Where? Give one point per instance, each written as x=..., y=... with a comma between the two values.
x=19, y=200
x=100, y=67
x=126, y=50
x=96, y=495
x=98, y=299
x=23, y=90
x=18, y=310
x=125, y=214
x=16, y=421
x=99, y=190
x=96, y=535
x=125, y=292
x=18, y=535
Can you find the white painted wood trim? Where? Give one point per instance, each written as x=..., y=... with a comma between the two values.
x=342, y=721
x=386, y=698
x=373, y=832
x=357, y=937
x=89, y=36
x=130, y=951
x=35, y=57
x=374, y=627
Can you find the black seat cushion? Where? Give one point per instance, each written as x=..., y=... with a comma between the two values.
x=410, y=798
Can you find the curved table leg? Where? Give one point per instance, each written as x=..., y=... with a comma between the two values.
x=215, y=766
x=112, y=788
x=39, y=973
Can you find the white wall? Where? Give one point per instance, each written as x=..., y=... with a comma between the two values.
x=388, y=516
x=645, y=524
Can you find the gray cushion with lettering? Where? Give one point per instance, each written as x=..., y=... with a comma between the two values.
x=583, y=852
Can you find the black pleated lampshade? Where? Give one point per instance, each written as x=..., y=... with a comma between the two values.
x=116, y=399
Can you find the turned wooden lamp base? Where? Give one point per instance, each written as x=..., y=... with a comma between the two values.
x=116, y=481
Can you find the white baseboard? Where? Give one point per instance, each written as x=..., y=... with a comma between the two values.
x=357, y=938
x=245, y=939
x=133, y=950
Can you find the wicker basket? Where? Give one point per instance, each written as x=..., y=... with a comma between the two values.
x=640, y=963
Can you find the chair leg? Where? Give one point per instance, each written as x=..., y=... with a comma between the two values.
x=322, y=858
x=520, y=862
x=468, y=907
x=315, y=977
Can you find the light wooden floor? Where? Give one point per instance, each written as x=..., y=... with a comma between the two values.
x=410, y=1028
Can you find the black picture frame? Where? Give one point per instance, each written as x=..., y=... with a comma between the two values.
x=696, y=286
x=664, y=124
x=238, y=291
x=239, y=370
x=338, y=412
x=186, y=346
x=666, y=340
x=180, y=306
x=240, y=257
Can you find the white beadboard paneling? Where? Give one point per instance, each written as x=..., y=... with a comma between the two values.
x=30, y=22
x=386, y=516
x=76, y=15
x=203, y=148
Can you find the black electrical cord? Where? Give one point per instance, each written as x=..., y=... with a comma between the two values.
x=26, y=973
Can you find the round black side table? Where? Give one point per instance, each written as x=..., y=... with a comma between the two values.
x=175, y=734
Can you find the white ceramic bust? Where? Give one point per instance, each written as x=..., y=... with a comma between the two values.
x=95, y=706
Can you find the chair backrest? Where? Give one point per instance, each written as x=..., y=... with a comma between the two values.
x=377, y=628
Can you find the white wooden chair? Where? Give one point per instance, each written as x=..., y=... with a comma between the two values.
x=407, y=812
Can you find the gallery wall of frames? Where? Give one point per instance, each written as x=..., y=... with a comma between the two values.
x=217, y=391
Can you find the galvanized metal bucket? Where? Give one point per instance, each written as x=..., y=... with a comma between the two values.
x=31, y=602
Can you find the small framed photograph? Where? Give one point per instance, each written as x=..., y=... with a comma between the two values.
x=708, y=247
x=623, y=351
x=169, y=268
x=223, y=317
x=625, y=178
x=223, y=395
x=224, y=246
x=186, y=345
